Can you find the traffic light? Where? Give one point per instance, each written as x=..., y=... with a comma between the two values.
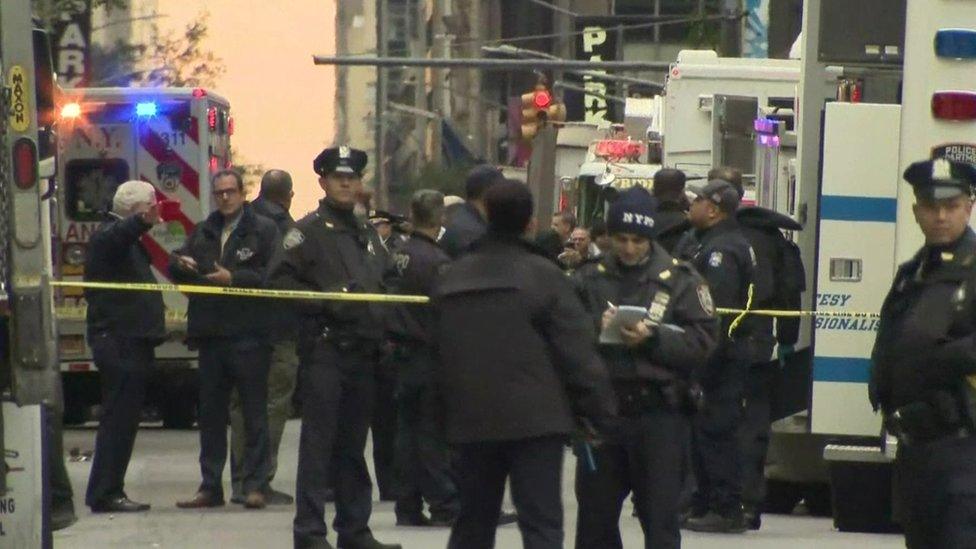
x=538, y=108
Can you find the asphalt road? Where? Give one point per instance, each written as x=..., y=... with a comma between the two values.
x=164, y=469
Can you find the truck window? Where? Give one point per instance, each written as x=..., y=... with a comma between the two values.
x=90, y=185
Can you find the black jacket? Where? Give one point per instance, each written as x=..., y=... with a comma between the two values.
x=418, y=263
x=670, y=222
x=688, y=329
x=330, y=250
x=517, y=353
x=724, y=257
x=116, y=254
x=464, y=229
x=247, y=255
x=927, y=335
x=285, y=324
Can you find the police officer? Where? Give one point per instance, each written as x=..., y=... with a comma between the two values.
x=232, y=247
x=273, y=202
x=720, y=252
x=924, y=363
x=331, y=250
x=651, y=372
x=423, y=458
x=123, y=332
x=518, y=364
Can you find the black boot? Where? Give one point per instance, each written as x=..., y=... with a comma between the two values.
x=367, y=542
x=305, y=541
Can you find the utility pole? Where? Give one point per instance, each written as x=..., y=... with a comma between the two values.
x=382, y=184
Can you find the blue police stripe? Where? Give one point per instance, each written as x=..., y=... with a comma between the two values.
x=841, y=369
x=858, y=208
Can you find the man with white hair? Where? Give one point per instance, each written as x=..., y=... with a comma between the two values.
x=124, y=329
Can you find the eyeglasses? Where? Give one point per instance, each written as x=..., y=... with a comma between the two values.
x=226, y=193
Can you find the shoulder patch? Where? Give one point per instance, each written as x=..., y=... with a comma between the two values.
x=715, y=260
x=293, y=238
x=705, y=299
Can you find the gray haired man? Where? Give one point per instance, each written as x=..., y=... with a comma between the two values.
x=123, y=331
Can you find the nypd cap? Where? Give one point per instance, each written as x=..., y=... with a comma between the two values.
x=719, y=191
x=940, y=179
x=340, y=160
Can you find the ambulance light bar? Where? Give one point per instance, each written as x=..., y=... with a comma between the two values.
x=71, y=110
x=956, y=43
x=954, y=105
x=199, y=93
x=146, y=109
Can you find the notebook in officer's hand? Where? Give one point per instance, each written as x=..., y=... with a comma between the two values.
x=627, y=315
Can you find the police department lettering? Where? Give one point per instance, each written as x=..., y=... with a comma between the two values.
x=644, y=220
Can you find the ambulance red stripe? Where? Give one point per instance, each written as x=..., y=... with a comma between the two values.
x=156, y=147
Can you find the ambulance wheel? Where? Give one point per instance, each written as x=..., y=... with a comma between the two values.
x=816, y=497
x=179, y=407
x=782, y=497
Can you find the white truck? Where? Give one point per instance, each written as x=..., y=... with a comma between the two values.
x=174, y=138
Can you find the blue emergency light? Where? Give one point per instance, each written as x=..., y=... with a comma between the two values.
x=146, y=109
x=956, y=43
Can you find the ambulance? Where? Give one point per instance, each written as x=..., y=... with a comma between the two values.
x=174, y=138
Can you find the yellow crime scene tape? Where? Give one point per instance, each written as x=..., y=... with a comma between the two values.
x=244, y=292
x=381, y=298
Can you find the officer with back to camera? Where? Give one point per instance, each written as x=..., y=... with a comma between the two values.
x=332, y=250
x=923, y=373
x=651, y=370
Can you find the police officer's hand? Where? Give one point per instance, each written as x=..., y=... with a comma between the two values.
x=221, y=276
x=608, y=317
x=637, y=334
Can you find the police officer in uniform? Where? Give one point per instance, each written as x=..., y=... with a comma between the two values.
x=651, y=371
x=423, y=458
x=720, y=252
x=923, y=375
x=331, y=250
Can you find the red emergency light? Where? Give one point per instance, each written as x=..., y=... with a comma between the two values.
x=617, y=148
x=212, y=118
x=25, y=163
x=213, y=164
x=199, y=93
x=230, y=125
x=542, y=99
x=954, y=105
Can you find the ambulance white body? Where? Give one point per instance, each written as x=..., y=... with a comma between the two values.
x=174, y=138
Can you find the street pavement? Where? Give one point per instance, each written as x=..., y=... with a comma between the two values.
x=164, y=469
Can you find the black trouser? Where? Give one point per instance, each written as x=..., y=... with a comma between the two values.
x=754, y=433
x=423, y=457
x=337, y=388
x=227, y=363
x=535, y=467
x=125, y=365
x=647, y=459
x=715, y=449
x=384, y=428
x=936, y=491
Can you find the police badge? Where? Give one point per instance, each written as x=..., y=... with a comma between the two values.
x=293, y=239
x=244, y=254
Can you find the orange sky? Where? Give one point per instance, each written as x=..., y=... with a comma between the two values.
x=282, y=104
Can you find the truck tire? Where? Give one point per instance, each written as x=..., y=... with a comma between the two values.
x=178, y=406
x=816, y=497
x=782, y=496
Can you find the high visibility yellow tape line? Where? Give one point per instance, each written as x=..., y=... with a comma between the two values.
x=773, y=312
x=245, y=292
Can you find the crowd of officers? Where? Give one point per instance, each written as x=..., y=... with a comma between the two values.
x=519, y=354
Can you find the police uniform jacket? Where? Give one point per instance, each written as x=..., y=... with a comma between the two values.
x=116, y=254
x=679, y=302
x=724, y=257
x=418, y=262
x=463, y=230
x=247, y=254
x=285, y=323
x=331, y=250
x=517, y=354
x=927, y=335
